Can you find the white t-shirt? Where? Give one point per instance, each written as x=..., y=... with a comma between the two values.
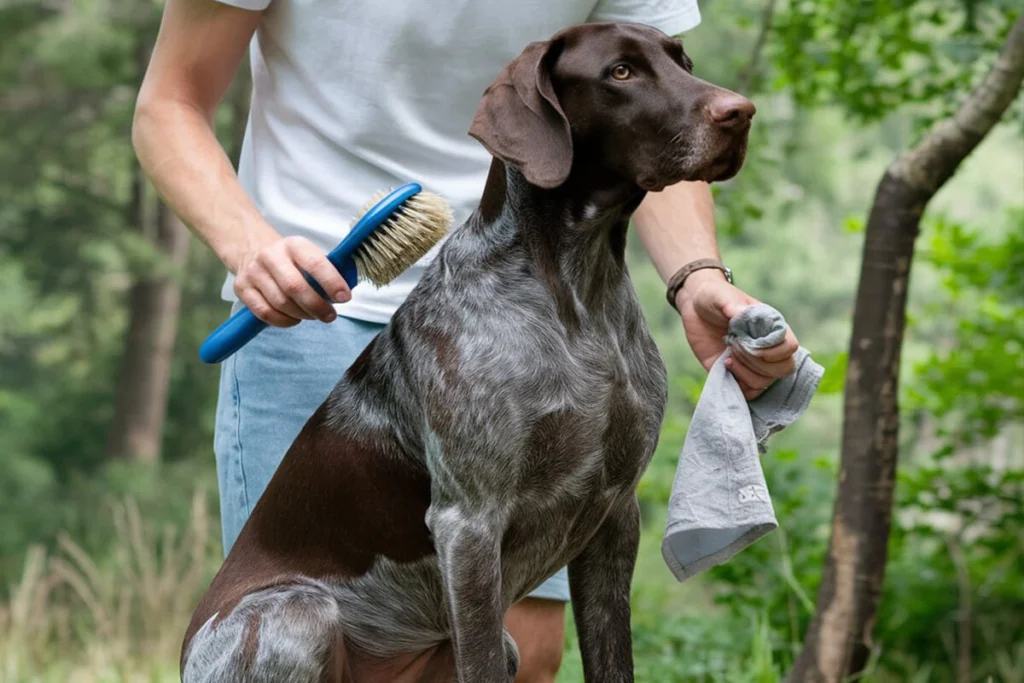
x=351, y=97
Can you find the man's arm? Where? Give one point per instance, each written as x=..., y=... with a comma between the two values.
x=677, y=226
x=197, y=52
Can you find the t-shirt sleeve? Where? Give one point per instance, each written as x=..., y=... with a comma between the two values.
x=670, y=16
x=246, y=4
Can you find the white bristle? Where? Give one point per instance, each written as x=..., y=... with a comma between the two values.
x=404, y=238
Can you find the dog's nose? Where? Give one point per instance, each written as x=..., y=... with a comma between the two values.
x=730, y=110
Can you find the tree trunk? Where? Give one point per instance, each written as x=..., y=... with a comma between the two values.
x=145, y=374
x=838, y=640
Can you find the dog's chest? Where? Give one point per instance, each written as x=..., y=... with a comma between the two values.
x=582, y=456
x=521, y=404
x=585, y=415
x=615, y=410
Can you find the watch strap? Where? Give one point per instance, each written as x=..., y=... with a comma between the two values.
x=675, y=283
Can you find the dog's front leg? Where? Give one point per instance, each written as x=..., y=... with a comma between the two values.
x=468, y=548
x=599, y=583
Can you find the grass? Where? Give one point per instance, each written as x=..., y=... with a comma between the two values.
x=72, y=618
x=76, y=619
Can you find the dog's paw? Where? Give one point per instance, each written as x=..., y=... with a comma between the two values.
x=511, y=656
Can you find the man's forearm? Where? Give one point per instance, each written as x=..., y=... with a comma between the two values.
x=185, y=162
x=197, y=52
x=676, y=226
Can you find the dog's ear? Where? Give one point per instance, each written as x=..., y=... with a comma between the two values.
x=680, y=57
x=521, y=122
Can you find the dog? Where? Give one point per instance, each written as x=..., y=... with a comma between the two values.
x=496, y=430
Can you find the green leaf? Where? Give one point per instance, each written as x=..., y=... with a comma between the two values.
x=834, y=379
x=853, y=225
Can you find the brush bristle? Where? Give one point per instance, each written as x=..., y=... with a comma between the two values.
x=404, y=238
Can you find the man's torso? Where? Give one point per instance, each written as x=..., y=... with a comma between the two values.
x=351, y=97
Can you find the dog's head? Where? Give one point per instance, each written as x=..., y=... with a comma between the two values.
x=621, y=96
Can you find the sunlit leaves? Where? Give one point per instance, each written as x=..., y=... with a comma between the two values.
x=874, y=57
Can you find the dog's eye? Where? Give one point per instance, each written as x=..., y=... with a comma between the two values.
x=621, y=72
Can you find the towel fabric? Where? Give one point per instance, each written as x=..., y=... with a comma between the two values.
x=719, y=503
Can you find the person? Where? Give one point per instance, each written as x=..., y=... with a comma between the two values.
x=351, y=97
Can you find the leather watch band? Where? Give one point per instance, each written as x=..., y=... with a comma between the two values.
x=676, y=282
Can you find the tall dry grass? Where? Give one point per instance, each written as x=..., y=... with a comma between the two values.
x=72, y=619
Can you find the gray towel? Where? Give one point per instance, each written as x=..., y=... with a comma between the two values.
x=719, y=503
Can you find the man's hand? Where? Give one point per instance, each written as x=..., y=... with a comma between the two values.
x=269, y=281
x=706, y=304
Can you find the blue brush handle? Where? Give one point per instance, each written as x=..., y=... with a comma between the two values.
x=240, y=328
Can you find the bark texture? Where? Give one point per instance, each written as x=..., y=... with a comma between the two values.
x=838, y=641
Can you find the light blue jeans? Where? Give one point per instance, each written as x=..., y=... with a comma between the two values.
x=268, y=389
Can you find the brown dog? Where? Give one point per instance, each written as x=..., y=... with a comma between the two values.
x=496, y=430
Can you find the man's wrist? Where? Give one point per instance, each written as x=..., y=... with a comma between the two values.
x=691, y=275
x=255, y=236
x=694, y=282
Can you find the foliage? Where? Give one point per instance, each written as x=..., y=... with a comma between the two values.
x=877, y=56
x=78, y=508
x=840, y=86
x=956, y=564
x=956, y=551
x=984, y=359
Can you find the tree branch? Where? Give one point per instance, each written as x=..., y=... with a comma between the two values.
x=935, y=159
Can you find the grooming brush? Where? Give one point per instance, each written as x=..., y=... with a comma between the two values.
x=393, y=231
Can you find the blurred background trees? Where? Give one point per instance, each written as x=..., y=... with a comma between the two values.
x=107, y=490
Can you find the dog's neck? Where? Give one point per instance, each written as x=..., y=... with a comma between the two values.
x=576, y=232
x=583, y=197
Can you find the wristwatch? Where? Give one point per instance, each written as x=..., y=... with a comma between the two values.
x=675, y=283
